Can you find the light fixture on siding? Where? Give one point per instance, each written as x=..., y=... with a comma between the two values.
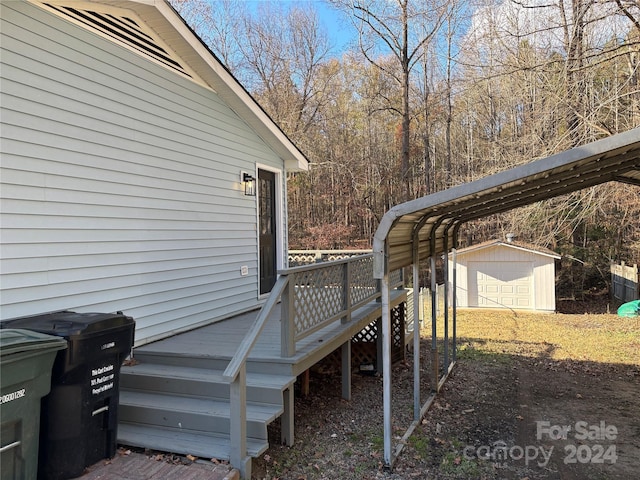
x=249, y=182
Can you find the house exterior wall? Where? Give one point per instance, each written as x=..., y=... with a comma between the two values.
x=120, y=183
x=541, y=266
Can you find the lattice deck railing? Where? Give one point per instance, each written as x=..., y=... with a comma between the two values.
x=312, y=296
x=309, y=257
x=327, y=286
x=319, y=294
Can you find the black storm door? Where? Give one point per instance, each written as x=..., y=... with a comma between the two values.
x=267, y=224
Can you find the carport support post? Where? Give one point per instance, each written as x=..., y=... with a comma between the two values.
x=434, y=331
x=416, y=331
x=454, y=298
x=454, y=280
x=446, y=303
x=386, y=370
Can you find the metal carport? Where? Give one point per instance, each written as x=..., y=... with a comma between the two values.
x=428, y=226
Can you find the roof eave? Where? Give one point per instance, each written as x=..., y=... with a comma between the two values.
x=496, y=243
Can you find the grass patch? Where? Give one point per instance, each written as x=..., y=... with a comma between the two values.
x=377, y=442
x=468, y=351
x=455, y=464
x=602, y=338
x=420, y=445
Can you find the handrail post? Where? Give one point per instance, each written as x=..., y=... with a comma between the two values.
x=287, y=319
x=346, y=292
x=238, y=423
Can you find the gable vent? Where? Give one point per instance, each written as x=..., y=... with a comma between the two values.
x=123, y=30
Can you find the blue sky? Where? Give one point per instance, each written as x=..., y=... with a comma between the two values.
x=339, y=30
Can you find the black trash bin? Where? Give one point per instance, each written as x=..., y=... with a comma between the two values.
x=79, y=417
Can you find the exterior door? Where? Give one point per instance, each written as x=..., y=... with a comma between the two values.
x=267, y=222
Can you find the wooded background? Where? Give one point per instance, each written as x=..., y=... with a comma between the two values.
x=435, y=93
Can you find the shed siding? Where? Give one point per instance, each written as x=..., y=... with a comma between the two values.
x=543, y=273
x=120, y=183
x=545, y=282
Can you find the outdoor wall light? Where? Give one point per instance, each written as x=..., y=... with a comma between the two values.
x=249, y=182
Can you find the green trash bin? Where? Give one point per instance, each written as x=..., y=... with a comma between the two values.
x=80, y=414
x=26, y=361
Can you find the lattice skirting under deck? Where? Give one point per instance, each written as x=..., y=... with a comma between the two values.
x=364, y=350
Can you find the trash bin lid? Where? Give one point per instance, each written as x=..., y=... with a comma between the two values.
x=69, y=324
x=16, y=340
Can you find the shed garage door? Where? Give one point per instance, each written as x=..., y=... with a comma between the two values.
x=501, y=284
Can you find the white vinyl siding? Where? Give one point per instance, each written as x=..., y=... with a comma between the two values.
x=501, y=276
x=120, y=183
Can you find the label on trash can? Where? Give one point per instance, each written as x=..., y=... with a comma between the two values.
x=102, y=379
x=10, y=397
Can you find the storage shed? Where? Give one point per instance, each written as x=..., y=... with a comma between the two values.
x=499, y=274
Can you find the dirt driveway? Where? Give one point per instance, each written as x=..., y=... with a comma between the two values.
x=531, y=397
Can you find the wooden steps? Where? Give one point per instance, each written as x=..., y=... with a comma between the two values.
x=274, y=365
x=174, y=397
x=199, y=444
x=186, y=410
x=200, y=382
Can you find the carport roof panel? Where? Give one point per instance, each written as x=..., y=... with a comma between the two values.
x=615, y=158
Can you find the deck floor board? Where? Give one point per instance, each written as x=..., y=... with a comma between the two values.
x=220, y=340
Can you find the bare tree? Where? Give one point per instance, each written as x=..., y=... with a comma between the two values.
x=402, y=29
x=287, y=50
x=218, y=24
x=525, y=82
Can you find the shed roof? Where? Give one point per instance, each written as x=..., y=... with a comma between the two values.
x=516, y=245
x=430, y=223
x=172, y=31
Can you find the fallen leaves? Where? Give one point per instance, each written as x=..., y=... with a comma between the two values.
x=500, y=386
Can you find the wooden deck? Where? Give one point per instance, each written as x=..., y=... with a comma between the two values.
x=212, y=391
x=217, y=343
